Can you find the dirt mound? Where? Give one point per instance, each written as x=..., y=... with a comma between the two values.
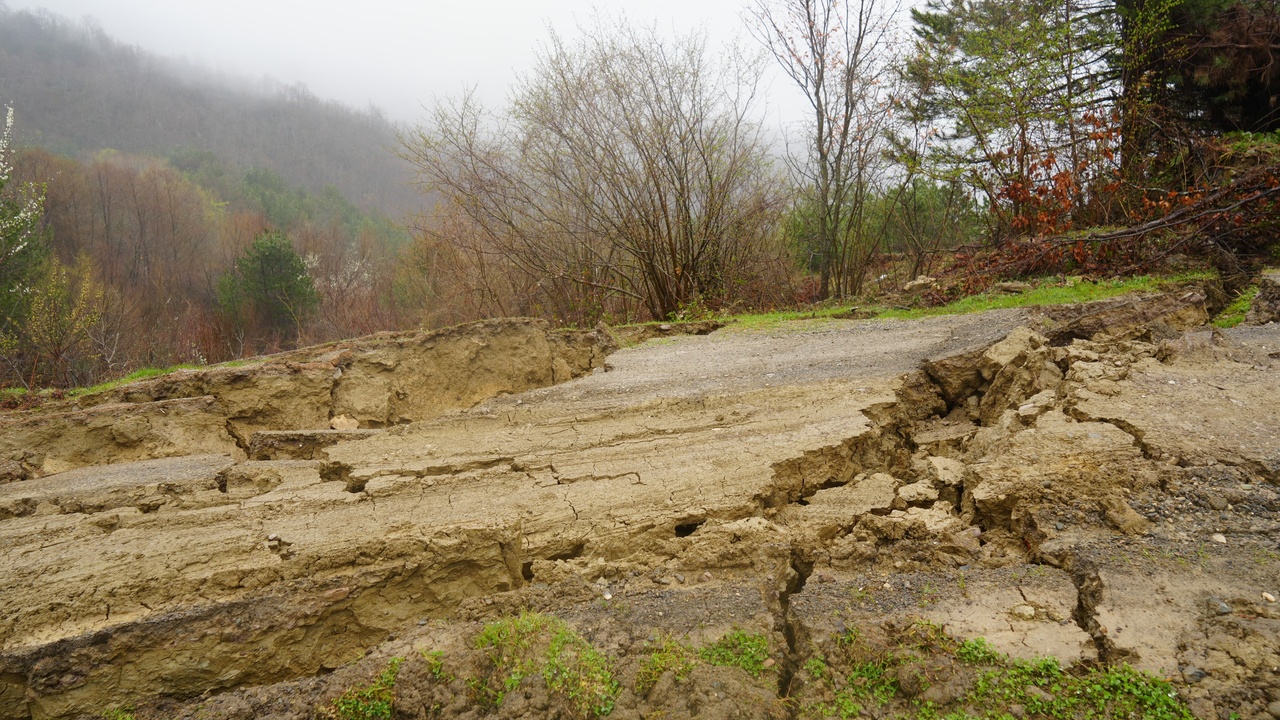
x=811, y=521
x=379, y=381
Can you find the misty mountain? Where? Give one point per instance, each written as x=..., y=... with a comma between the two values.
x=76, y=90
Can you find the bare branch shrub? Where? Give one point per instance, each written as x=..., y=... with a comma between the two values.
x=629, y=177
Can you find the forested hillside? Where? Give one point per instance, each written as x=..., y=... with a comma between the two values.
x=153, y=215
x=77, y=90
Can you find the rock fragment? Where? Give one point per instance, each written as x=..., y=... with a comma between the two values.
x=1266, y=304
x=344, y=422
x=920, y=492
x=1124, y=518
x=1193, y=674
x=1023, y=612
x=945, y=471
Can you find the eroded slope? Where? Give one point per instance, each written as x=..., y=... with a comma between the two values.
x=797, y=484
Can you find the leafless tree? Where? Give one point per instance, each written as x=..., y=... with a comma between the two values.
x=842, y=56
x=629, y=171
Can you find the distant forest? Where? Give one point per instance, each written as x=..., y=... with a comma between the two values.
x=78, y=91
x=153, y=214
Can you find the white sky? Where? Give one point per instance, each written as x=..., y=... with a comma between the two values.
x=395, y=54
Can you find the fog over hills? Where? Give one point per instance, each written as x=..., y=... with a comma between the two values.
x=76, y=91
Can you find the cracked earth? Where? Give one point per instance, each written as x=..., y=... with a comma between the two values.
x=1098, y=483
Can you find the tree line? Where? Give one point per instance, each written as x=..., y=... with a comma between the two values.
x=630, y=177
x=122, y=261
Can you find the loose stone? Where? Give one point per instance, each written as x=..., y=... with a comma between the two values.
x=1193, y=674
x=1024, y=612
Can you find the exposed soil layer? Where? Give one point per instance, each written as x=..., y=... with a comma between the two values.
x=378, y=381
x=1071, y=483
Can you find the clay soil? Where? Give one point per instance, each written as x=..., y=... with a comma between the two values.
x=1098, y=484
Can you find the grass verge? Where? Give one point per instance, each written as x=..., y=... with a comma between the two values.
x=893, y=676
x=1046, y=292
x=136, y=375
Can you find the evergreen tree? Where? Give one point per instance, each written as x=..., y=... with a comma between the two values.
x=269, y=286
x=1019, y=94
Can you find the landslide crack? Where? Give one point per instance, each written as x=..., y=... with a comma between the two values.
x=796, y=575
x=1089, y=590
x=242, y=443
x=884, y=446
x=1139, y=437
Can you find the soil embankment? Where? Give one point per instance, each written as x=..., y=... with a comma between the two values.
x=1097, y=484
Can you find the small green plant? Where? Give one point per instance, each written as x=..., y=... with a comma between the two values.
x=738, y=649
x=928, y=595
x=533, y=643
x=816, y=667
x=124, y=712
x=435, y=666
x=977, y=651
x=873, y=679
x=668, y=655
x=843, y=707
x=372, y=702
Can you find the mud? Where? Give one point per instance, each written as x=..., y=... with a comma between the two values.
x=1105, y=494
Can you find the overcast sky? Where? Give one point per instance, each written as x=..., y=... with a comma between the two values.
x=395, y=54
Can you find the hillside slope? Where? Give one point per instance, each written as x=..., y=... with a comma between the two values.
x=76, y=91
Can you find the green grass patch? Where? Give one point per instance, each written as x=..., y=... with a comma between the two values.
x=120, y=713
x=977, y=651
x=533, y=643
x=874, y=680
x=667, y=655
x=136, y=375
x=13, y=396
x=738, y=649
x=375, y=701
x=1043, y=688
x=1233, y=314
x=435, y=666
x=857, y=674
x=1050, y=292
x=1047, y=294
